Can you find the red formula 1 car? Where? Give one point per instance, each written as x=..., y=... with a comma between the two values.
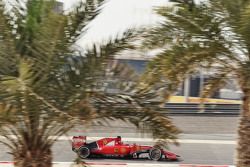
x=114, y=147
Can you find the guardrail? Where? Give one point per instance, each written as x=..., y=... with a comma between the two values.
x=205, y=109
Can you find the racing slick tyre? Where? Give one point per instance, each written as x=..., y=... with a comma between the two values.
x=155, y=154
x=84, y=152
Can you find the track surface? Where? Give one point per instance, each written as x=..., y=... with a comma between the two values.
x=210, y=141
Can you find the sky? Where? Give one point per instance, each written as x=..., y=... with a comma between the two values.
x=117, y=16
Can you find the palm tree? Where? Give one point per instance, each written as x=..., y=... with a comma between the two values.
x=47, y=85
x=213, y=35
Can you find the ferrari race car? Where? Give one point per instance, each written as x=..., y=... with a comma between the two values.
x=114, y=147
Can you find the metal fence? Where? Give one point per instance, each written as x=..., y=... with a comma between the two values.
x=207, y=108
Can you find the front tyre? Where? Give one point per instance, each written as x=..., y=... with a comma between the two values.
x=155, y=154
x=84, y=152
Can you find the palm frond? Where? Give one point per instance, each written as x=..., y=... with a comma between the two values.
x=244, y=26
x=8, y=55
x=80, y=16
x=201, y=42
x=51, y=83
x=134, y=110
x=214, y=83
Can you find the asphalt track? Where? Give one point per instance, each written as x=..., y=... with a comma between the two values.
x=207, y=140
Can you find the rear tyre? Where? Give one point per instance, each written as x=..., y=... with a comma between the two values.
x=84, y=152
x=155, y=154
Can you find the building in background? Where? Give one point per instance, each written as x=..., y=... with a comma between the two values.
x=192, y=86
x=58, y=8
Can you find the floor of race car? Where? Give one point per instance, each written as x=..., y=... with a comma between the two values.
x=142, y=157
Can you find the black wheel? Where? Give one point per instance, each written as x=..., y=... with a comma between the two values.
x=155, y=154
x=73, y=149
x=84, y=152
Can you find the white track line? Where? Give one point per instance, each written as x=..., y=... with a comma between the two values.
x=130, y=139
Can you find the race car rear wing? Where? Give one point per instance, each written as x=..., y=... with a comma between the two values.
x=78, y=141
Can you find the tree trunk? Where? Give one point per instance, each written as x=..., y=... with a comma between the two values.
x=243, y=149
x=34, y=158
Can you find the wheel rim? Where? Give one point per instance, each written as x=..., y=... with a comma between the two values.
x=155, y=154
x=84, y=152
